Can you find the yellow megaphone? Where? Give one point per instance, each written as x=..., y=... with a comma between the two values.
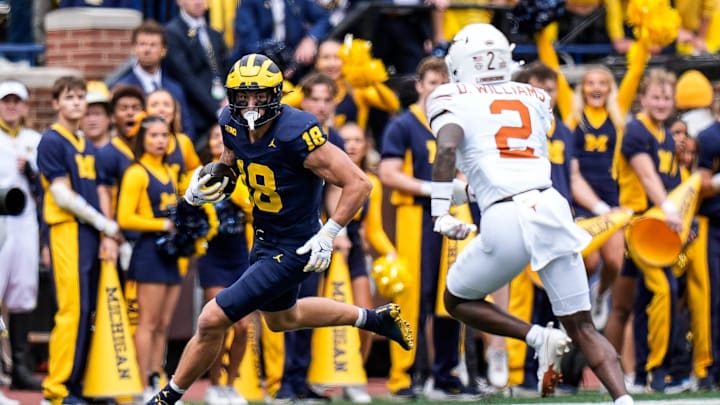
x=600, y=228
x=650, y=240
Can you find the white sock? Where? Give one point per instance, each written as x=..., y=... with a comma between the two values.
x=534, y=337
x=362, y=317
x=175, y=387
x=624, y=400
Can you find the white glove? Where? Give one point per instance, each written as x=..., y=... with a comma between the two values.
x=109, y=228
x=320, y=247
x=453, y=228
x=198, y=194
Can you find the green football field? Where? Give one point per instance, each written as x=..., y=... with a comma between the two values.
x=697, y=398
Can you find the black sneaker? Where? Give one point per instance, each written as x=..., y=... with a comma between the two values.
x=393, y=326
x=403, y=395
x=453, y=392
x=312, y=397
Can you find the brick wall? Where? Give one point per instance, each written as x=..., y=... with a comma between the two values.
x=89, y=42
x=95, y=52
x=95, y=41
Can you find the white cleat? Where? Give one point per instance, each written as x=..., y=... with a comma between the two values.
x=215, y=395
x=497, y=370
x=357, y=394
x=549, y=354
x=234, y=397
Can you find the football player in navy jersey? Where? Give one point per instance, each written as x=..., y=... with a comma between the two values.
x=283, y=158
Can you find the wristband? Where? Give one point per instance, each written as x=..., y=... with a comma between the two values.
x=441, y=197
x=331, y=228
x=426, y=189
x=343, y=231
x=600, y=208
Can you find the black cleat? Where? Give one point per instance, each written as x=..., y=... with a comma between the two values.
x=393, y=326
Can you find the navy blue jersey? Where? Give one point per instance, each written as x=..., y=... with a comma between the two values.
x=346, y=110
x=709, y=158
x=64, y=154
x=113, y=159
x=176, y=160
x=595, y=150
x=560, y=153
x=286, y=196
x=659, y=145
x=409, y=138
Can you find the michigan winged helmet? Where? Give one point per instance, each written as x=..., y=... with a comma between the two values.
x=254, y=73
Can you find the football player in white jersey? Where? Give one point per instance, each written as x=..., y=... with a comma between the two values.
x=494, y=131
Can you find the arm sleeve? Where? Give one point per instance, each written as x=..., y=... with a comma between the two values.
x=378, y=96
x=190, y=156
x=637, y=57
x=134, y=204
x=548, y=56
x=614, y=19
x=373, y=221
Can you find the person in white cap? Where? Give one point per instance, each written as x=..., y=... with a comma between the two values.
x=96, y=123
x=19, y=258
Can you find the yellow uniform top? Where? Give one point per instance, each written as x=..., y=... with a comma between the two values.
x=136, y=212
x=190, y=159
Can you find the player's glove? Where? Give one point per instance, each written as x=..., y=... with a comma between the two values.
x=453, y=228
x=199, y=192
x=320, y=247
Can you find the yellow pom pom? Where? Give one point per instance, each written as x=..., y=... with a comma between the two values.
x=660, y=30
x=655, y=22
x=355, y=51
x=638, y=11
x=390, y=275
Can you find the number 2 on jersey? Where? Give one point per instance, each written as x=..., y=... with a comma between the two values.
x=521, y=132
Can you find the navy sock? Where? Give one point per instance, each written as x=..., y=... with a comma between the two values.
x=372, y=321
x=167, y=395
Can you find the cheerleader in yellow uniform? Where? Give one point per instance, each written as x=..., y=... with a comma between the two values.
x=147, y=191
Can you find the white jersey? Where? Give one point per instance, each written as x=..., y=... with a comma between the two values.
x=23, y=145
x=505, y=125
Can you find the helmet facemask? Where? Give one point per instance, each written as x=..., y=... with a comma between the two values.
x=258, y=75
x=266, y=99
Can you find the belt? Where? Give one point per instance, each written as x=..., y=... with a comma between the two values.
x=263, y=236
x=510, y=198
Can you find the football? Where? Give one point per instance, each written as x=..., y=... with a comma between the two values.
x=217, y=171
